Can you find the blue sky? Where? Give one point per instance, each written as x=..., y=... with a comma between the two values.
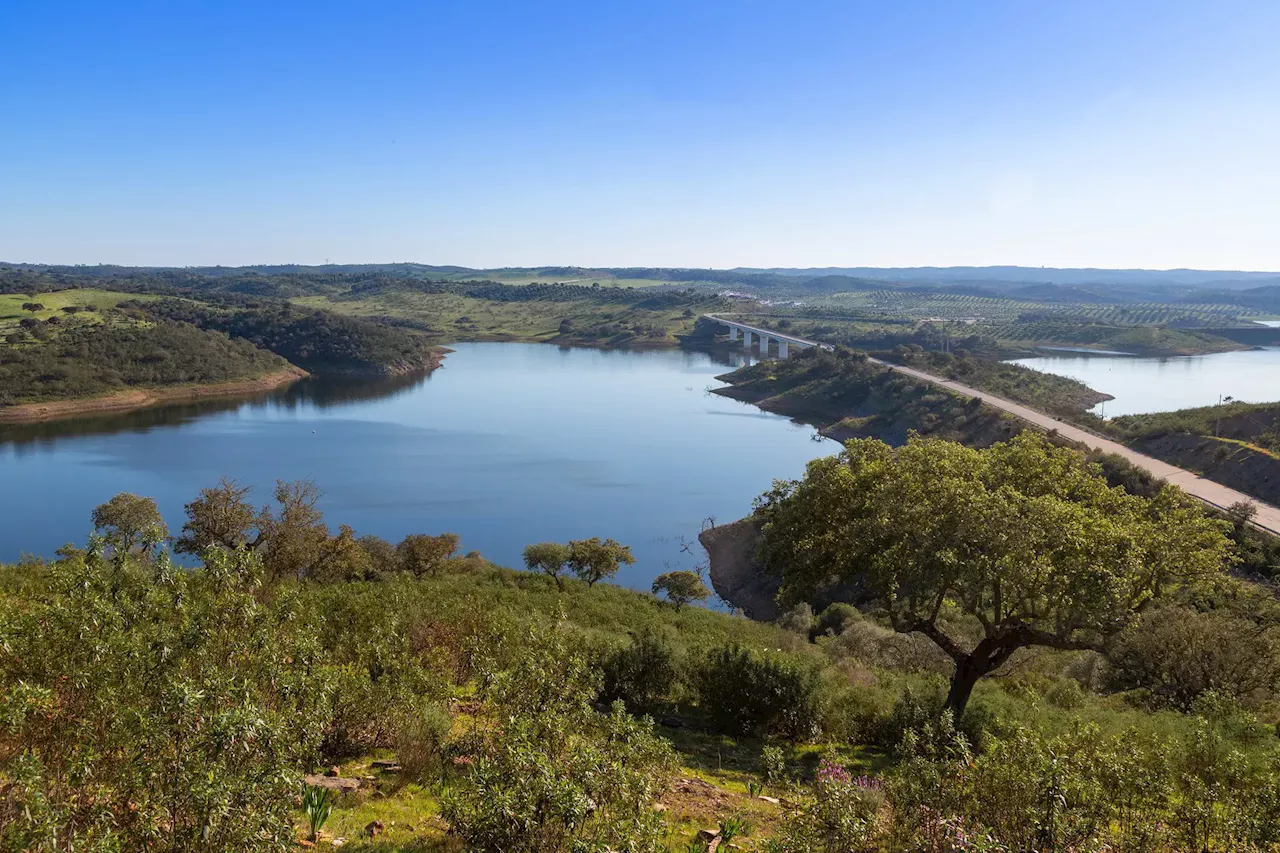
x=717, y=133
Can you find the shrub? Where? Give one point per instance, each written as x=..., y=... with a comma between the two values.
x=749, y=692
x=147, y=705
x=838, y=816
x=557, y=775
x=377, y=672
x=1081, y=790
x=853, y=713
x=1178, y=654
x=640, y=675
x=420, y=738
x=874, y=645
x=918, y=708
x=834, y=620
x=773, y=760
x=797, y=620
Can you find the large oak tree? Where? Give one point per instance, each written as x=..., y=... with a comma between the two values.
x=1024, y=537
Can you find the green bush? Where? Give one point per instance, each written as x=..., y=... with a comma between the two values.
x=376, y=675
x=556, y=775
x=918, y=707
x=1083, y=790
x=838, y=815
x=853, y=712
x=420, y=736
x=147, y=705
x=641, y=675
x=833, y=620
x=1178, y=654
x=750, y=692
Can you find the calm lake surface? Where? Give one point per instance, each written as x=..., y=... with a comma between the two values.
x=507, y=444
x=1142, y=385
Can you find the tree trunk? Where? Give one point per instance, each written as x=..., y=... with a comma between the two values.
x=967, y=673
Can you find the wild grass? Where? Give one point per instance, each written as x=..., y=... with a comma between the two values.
x=11, y=312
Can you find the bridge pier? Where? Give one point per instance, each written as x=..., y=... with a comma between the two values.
x=760, y=342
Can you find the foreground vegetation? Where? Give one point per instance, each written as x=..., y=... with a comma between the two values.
x=146, y=705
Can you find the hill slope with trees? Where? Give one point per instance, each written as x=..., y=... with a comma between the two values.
x=87, y=360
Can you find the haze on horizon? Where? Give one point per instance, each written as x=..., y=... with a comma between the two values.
x=1135, y=134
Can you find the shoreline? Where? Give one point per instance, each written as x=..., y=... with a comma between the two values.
x=141, y=398
x=634, y=346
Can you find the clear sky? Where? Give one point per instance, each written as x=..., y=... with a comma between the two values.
x=1115, y=133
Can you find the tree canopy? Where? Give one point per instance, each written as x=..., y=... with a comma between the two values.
x=550, y=558
x=129, y=521
x=593, y=560
x=84, y=359
x=681, y=587
x=1024, y=538
x=421, y=554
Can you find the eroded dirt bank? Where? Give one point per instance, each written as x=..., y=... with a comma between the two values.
x=142, y=397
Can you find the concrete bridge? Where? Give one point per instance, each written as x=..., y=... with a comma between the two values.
x=762, y=337
x=1214, y=494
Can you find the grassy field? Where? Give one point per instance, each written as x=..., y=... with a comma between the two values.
x=11, y=312
x=533, y=276
x=963, y=306
x=450, y=317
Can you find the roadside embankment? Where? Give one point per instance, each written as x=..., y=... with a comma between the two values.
x=138, y=398
x=1231, y=462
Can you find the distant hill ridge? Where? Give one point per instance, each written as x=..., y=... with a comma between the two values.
x=922, y=275
x=1259, y=291
x=1227, y=279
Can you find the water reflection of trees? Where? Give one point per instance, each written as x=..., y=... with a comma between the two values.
x=321, y=393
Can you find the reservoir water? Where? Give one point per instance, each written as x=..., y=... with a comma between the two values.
x=1142, y=385
x=507, y=444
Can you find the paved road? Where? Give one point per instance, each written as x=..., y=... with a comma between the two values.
x=1216, y=494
